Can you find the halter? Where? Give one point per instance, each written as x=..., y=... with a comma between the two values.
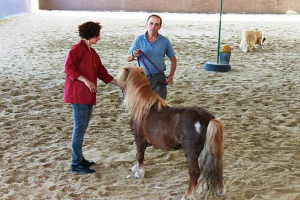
x=141, y=57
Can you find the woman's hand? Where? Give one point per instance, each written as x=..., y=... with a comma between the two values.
x=91, y=85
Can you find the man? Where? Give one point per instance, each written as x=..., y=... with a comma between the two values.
x=155, y=47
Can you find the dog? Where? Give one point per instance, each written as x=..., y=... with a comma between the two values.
x=250, y=38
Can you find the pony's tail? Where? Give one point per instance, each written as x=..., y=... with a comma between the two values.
x=211, y=165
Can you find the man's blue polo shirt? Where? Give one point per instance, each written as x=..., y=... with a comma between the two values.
x=155, y=52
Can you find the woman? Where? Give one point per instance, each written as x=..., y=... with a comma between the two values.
x=83, y=66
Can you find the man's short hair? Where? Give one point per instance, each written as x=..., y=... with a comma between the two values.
x=155, y=16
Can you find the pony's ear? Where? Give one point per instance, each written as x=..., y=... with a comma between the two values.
x=125, y=68
x=128, y=68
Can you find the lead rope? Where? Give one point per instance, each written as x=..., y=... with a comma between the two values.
x=141, y=57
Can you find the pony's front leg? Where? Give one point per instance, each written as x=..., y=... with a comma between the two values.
x=138, y=169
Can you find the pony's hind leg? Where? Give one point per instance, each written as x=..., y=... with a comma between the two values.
x=194, y=173
x=138, y=168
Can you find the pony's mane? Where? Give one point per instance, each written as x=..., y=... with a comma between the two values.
x=139, y=97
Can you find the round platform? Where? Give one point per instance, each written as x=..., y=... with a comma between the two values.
x=218, y=67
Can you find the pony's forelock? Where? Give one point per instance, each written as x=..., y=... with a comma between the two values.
x=139, y=97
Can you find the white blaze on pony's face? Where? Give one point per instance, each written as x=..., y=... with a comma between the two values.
x=198, y=127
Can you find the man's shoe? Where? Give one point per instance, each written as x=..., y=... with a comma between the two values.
x=81, y=169
x=87, y=163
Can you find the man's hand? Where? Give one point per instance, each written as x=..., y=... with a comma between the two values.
x=130, y=57
x=170, y=80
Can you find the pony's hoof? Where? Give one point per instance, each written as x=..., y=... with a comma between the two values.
x=221, y=192
x=133, y=169
x=136, y=176
x=190, y=196
x=139, y=174
x=186, y=198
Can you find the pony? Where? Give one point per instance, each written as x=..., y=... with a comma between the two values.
x=192, y=129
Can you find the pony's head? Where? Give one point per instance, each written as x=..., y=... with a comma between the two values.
x=139, y=97
x=123, y=74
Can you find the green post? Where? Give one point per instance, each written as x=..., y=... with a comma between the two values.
x=218, y=56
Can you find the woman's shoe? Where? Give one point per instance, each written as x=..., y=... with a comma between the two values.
x=81, y=169
x=87, y=163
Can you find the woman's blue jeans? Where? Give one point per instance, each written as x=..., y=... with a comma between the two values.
x=81, y=116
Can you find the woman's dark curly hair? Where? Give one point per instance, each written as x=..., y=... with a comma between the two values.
x=89, y=30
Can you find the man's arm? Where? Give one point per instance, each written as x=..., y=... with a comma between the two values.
x=130, y=57
x=172, y=70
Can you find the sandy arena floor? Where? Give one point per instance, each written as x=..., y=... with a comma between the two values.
x=258, y=101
